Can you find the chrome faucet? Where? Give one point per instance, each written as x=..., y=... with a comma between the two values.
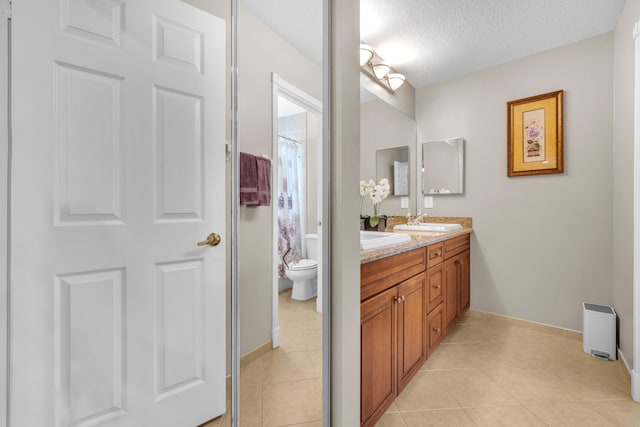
x=417, y=220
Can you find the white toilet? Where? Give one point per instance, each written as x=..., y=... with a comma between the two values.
x=304, y=273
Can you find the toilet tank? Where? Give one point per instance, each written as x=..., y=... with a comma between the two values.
x=311, y=241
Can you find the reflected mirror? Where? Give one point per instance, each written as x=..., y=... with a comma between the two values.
x=443, y=167
x=388, y=133
x=393, y=164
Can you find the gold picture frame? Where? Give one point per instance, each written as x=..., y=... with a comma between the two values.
x=534, y=135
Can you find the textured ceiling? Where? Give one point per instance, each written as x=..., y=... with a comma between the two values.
x=434, y=40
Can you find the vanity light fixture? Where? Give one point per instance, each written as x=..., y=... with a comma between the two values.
x=366, y=53
x=395, y=80
x=379, y=70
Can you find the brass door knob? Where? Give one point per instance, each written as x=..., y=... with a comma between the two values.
x=213, y=239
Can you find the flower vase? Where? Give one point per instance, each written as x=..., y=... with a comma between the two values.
x=365, y=223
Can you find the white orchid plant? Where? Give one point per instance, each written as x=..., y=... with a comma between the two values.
x=377, y=193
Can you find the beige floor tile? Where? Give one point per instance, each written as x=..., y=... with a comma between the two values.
x=313, y=424
x=251, y=406
x=393, y=408
x=473, y=388
x=592, y=388
x=438, y=418
x=624, y=413
x=293, y=402
x=313, y=338
x=292, y=340
x=467, y=356
x=465, y=333
x=391, y=419
x=423, y=392
x=531, y=385
x=251, y=374
x=504, y=416
x=570, y=415
x=279, y=366
x=316, y=361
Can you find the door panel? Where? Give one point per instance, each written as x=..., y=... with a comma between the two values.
x=411, y=328
x=87, y=113
x=117, y=317
x=178, y=146
x=89, y=344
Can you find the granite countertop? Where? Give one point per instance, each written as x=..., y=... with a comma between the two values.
x=419, y=239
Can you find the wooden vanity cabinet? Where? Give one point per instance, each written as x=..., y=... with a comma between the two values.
x=407, y=302
x=392, y=329
x=378, y=337
x=412, y=338
x=456, y=278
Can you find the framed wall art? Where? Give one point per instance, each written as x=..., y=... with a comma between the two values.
x=534, y=135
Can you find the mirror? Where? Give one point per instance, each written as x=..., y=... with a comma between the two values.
x=443, y=167
x=387, y=133
x=393, y=164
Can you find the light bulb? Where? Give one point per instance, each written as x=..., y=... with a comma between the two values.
x=381, y=69
x=395, y=80
x=366, y=53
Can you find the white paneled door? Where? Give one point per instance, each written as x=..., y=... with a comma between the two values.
x=117, y=317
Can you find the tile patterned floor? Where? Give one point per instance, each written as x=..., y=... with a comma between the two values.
x=489, y=371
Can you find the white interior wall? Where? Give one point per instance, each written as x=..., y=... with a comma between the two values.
x=261, y=52
x=623, y=153
x=541, y=244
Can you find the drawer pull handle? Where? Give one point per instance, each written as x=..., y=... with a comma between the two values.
x=437, y=286
x=436, y=329
x=435, y=255
x=399, y=299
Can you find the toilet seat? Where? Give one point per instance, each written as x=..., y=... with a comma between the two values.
x=304, y=264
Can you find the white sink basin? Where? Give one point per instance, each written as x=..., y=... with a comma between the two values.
x=428, y=226
x=381, y=239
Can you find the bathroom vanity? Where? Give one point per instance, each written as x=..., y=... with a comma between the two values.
x=410, y=296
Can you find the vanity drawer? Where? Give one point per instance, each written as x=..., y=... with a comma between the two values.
x=434, y=287
x=434, y=254
x=376, y=276
x=456, y=245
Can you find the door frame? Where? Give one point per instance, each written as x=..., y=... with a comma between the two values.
x=281, y=87
x=5, y=168
x=635, y=372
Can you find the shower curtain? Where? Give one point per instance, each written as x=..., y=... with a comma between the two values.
x=290, y=201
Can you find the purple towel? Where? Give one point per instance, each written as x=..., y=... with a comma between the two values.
x=264, y=181
x=248, y=179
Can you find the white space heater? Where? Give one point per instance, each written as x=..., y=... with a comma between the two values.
x=599, y=331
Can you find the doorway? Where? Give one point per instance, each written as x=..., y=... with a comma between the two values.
x=297, y=119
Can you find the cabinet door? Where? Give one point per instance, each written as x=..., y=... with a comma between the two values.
x=435, y=327
x=412, y=345
x=451, y=289
x=378, y=328
x=464, y=281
